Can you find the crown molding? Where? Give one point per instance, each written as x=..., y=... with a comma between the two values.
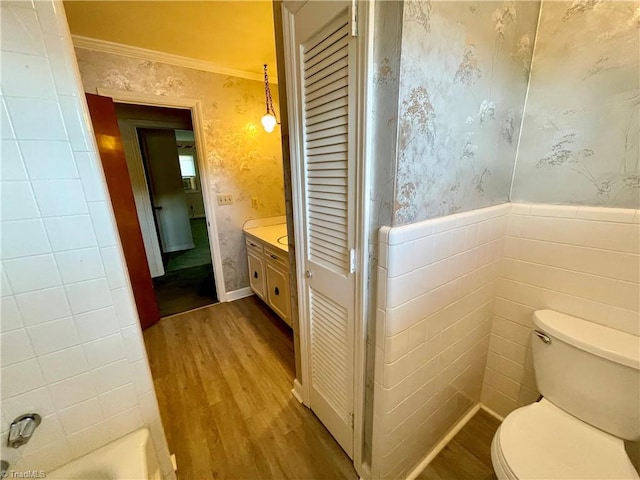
x=105, y=46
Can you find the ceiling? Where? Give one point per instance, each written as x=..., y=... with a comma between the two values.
x=231, y=34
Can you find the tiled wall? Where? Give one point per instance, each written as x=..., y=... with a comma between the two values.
x=582, y=261
x=71, y=344
x=436, y=285
x=458, y=292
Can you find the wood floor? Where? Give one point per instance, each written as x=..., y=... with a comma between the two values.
x=223, y=377
x=468, y=455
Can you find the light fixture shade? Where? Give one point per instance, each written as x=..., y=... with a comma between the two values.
x=268, y=122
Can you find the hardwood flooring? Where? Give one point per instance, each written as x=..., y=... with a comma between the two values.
x=223, y=377
x=468, y=455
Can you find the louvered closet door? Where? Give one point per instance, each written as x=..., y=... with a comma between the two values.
x=326, y=52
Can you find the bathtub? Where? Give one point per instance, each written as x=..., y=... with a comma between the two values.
x=131, y=457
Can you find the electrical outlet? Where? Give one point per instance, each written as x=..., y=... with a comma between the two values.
x=254, y=202
x=225, y=199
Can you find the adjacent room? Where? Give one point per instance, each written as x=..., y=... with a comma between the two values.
x=162, y=162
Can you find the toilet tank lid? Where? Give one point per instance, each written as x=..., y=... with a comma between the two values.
x=614, y=345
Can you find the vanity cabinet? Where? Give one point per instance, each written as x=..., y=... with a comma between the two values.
x=269, y=275
x=255, y=259
x=277, y=273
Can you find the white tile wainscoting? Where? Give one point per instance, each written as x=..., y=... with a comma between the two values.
x=71, y=344
x=582, y=261
x=454, y=304
x=437, y=283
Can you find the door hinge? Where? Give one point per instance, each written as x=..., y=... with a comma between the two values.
x=351, y=420
x=354, y=18
x=352, y=260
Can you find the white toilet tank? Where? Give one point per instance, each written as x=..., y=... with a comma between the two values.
x=589, y=371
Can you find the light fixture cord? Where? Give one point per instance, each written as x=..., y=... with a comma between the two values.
x=267, y=92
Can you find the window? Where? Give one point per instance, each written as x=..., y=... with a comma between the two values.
x=188, y=172
x=187, y=166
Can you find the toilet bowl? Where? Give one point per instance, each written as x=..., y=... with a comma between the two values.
x=541, y=441
x=590, y=378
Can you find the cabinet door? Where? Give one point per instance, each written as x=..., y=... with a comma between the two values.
x=256, y=274
x=278, y=292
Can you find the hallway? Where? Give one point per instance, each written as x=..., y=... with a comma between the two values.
x=223, y=376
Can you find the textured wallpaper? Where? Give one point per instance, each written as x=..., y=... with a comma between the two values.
x=581, y=128
x=463, y=80
x=241, y=157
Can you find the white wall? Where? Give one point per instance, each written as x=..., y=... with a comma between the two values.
x=71, y=345
x=436, y=287
x=195, y=203
x=582, y=261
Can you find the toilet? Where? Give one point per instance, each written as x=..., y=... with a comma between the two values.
x=589, y=377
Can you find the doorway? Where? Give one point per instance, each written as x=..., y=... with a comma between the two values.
x=162, y=158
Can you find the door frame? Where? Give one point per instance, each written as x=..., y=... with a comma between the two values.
x=195, y=107
x=364, y=85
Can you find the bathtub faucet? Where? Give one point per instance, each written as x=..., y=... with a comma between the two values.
x=22, y=429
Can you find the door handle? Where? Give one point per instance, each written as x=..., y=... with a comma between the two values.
x=157, y=208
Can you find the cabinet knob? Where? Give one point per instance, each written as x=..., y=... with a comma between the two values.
x=308, y=274
x=255, y=274
x=276, y=291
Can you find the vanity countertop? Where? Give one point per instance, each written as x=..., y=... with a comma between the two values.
x=270, y=235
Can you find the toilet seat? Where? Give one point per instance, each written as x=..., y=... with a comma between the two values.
x=500, y=465
x=541, y=441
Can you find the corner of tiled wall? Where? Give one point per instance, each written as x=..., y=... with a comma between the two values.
x=578, y=260
x=454, y=311
x=71, y=344
x=436, y=285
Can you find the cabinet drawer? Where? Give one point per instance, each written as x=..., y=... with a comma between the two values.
x=277, y=257
x=254, y=246
x=256, y=274
x=278, y=292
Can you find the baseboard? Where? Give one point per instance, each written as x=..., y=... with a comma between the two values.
x=443, y=443
x=495, y=415
x=365, y=471
x=297, y=390
x=238, y=294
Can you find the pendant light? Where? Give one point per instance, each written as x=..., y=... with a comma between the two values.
x=269, y=119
